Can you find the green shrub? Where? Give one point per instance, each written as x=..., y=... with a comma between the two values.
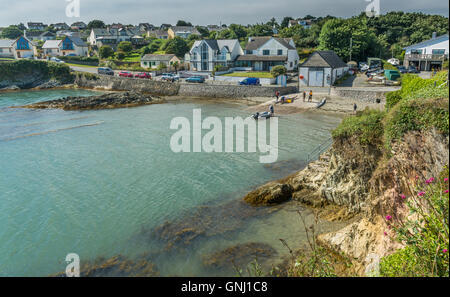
x=425, y=233
x=278, y=70
x=416, y=115
x=389, y=66
x=366, y=125
x=15, y=70
x=392, y=98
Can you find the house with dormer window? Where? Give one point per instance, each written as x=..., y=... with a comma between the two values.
x=72, y=45
x=263, y=53
x=206, y=54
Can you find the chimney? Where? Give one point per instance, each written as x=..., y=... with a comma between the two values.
x=434, y=35
x=25, y=33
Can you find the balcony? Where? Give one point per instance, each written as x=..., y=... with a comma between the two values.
x=426, y=57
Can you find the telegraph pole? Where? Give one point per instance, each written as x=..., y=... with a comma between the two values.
x=351, y=45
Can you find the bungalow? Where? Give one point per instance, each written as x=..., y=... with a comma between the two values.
x=39, y=35
x=206, y=54
x=321, y=69
x=61, y=26
x=154, y=61
x=262, y=53
x=36, y=26
x=427, y=55
x=111, y=36
x=52, y=48
x=159, y=34
x=305, y=23
x=72, y=45
x=182, y=31
x=17, y=48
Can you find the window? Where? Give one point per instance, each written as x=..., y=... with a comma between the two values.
x=280, y=52
x=416, y=52
x=290, y=64
x=248, y=52
x=438, y=51
x=266, y=52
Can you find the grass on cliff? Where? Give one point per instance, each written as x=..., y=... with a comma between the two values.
x=424, y=234
x=15, y=70
x=420, y=104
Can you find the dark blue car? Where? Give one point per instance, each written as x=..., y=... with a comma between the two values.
x=250, y=81
x=195, y=79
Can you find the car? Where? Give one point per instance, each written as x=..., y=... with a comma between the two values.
x=56, y=60
x=196, y=79
x=250, y=81
x=71, y=55
x=143, y=75
x=402, y=69
x=412, y=69
x=169, y=77
x=105, y=70
x=125, y=74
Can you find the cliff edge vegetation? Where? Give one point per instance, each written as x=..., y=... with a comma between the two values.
x=375, y=172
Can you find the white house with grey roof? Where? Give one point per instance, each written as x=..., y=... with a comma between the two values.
x=52, y=48
x=206, y=54
x=262, y=53
x=321, y=69
x=154, y=61
x=429, y=54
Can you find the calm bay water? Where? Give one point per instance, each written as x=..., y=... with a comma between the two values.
x=97, y=183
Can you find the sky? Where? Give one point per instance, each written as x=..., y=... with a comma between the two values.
x=198, y=12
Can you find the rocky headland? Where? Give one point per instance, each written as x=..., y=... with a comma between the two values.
x=104, y=101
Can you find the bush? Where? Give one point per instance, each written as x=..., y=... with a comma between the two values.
x=15, y=70
x=366, y=125
x=105, y=51
x=278, y=70
x=392, y=98
x=69, y=59
x=416, y=115
x=425, y=233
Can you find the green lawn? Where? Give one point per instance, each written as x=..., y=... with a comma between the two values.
x=132, y=58
x=250, y=74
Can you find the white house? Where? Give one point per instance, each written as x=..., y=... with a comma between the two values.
x=52, y=48
x=206, y=54
x=153, y=61
x=111, y=36
x=262, y=53
x=427, y=55
x=18, y=48
x=321, y=69
x=72, y=45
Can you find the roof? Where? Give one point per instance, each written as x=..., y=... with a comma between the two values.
x=256, y=42
x=262, y=58
x=51, y=44
x=77, y=41
x=6, y=42
x=423, y=43
x=324, y=59
x=184, y=29
x=152, y=57
x=158, y=32
x=218, y=45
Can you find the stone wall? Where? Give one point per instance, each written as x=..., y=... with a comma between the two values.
x=231, y=91
x=161, y=88
x=367, y=94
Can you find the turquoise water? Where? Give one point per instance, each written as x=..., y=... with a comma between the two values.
x=97, y=183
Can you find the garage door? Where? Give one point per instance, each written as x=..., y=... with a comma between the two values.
x=315, y=78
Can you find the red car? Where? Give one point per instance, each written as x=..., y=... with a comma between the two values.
x=143, y=75
x=125, y=74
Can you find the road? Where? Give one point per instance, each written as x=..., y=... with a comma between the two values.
x=84, y=69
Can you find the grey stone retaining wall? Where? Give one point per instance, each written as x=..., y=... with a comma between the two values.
x=181, y=89
x=363, y=94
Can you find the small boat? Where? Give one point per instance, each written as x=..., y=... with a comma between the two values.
x=322, y=103
x=258, y=115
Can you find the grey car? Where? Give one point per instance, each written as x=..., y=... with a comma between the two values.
x=105, y=70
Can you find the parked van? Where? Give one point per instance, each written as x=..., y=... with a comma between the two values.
x=105, y=70
x=250, y=81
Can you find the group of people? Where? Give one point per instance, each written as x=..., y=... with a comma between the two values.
x=310, y=96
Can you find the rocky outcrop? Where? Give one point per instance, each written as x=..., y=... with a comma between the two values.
x=270, y=194
x=109, y=100
x=365, y=184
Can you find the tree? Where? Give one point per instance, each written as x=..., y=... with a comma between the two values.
x=105, y=52
x=278, y=70
x=203, y=31
x=96, y=24
x=120, y=55
x=177, y=46
x=125, y=47
x=184, y=23
x=285, y=22
x=11, y=32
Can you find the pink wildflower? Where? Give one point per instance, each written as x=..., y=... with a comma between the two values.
x=446, y=179
x=403, y=196
x=388, y=218
x=446, y=192
x=385, y=234
x=421, y=193
x=429, y=181
x=444, y=250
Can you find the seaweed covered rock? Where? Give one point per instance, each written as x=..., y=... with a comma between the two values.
x=269, y=194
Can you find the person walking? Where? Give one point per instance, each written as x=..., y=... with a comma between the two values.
x=355, y=107
x=272, y=111
x=310, y=96
x=304, y=96
x=277, y=94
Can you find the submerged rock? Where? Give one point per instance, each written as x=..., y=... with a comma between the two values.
x=270, y=194
x=240, y=255
x=105, y=101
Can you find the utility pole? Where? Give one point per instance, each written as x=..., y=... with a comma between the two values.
x=351, y=45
